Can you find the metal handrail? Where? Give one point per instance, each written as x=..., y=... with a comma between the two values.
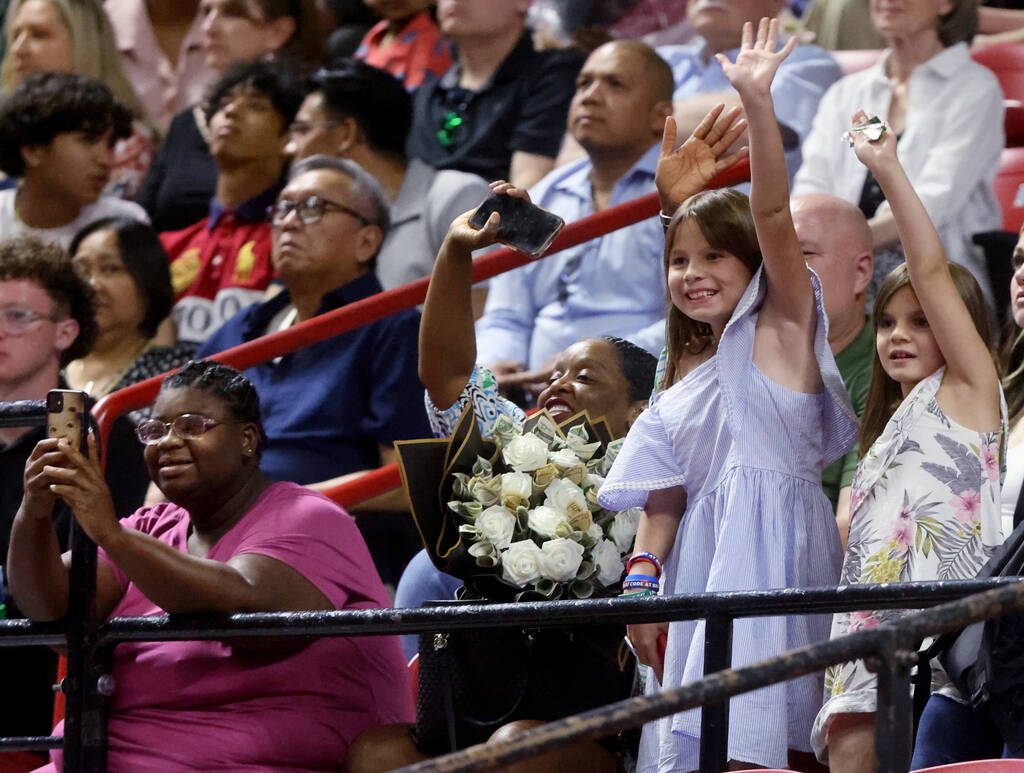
x=721, y=607
x=895, y=642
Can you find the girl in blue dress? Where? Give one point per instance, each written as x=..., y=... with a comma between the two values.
x=727, y=460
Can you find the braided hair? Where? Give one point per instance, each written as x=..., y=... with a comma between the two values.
x=228, y=385
x=638, y=366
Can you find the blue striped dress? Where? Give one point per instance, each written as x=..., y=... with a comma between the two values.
x=749, y=453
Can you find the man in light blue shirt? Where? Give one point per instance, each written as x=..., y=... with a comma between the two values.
x=614, y=285
x=700, y=84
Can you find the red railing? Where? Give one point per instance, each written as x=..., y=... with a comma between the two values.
x=384, y=304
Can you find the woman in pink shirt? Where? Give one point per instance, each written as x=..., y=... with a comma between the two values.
x=228, y=541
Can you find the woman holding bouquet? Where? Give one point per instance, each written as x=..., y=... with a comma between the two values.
x=607, y=377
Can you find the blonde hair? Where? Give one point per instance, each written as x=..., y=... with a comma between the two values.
x=94, y=51
x=885, y=393
x=723, y=217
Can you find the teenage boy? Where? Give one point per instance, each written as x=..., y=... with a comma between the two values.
x=57, y=133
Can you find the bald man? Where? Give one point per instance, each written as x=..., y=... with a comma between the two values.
x=836, y=241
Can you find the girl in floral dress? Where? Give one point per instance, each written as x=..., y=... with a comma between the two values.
x=925, y=500
x=727, y=459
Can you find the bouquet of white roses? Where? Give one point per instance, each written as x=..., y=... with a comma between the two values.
x=520, y=510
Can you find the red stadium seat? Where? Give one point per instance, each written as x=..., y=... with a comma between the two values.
x=414, y=676
x=1007, y=62
x=1009, y=188
x=978, y=766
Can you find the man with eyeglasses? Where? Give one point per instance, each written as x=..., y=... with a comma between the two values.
x=362, y=113
x=46, y=320
x=222, y=263
x=335, y=408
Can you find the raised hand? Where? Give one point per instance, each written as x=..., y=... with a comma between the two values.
x=757, y=62
x=874, y=143
x=687, y=170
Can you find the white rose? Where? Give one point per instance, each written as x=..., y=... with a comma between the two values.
x=516, y=488
x=520, y=563
x=525, y=453
x=595, y=532
x=560, y=559
x=545, y=520
x=566, y=496
x=496, y=525
x=609, y=563
x=624, y=528
x=563, y=459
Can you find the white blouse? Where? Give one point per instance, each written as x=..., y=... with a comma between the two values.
x=950, y=146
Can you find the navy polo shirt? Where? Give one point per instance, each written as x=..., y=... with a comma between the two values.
x=327, y=407
x=524, y=106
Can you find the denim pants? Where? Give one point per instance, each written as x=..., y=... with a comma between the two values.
x=950, y=732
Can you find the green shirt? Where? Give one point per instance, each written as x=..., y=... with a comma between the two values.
x=855, y=362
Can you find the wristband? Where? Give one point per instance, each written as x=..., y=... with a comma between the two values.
x=646, y=577
x=649, y=558
x=639, y=585
x=638, y=594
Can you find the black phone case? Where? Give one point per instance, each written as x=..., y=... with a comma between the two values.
x=524, y=226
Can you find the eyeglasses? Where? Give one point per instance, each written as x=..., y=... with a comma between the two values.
x=188, y=426
x=16, y=321
x=310, y=210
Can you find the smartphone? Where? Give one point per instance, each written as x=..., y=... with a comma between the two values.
x=524, y=226
x=66, y=416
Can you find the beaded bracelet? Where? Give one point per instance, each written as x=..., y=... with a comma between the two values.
x=649, y=558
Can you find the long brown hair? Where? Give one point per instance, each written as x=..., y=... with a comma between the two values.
x=724, y=219
x=1011, y=360
x=885, y=393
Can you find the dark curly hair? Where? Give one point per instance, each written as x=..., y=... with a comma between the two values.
x=638, y=366
x=50, y=103
x=274, y=81
x=145, y=259
x=50, y=267
x=226, y=384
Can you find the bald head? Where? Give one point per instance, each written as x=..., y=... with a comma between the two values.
x=660, y=79
x=836, y=241
x=846, y=223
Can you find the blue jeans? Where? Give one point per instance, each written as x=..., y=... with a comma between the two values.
x=954, y=732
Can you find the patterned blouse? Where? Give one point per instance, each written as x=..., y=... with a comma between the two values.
x=488, y=405
x=925, y=505
x=153, y=362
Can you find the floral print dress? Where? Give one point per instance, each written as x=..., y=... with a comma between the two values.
x=925, y=505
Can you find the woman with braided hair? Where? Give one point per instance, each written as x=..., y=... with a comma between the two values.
x=227, y=541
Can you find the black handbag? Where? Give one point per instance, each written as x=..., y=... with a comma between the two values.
x=985, y=661
x=473, y=682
